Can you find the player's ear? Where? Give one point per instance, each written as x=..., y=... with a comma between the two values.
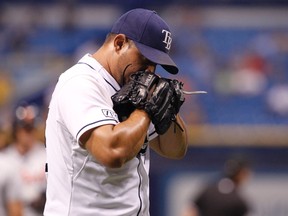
x=119, y=41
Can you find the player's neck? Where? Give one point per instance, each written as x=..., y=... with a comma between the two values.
x=102, y=58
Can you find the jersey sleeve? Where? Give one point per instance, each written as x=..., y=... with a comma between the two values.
x=85, y=103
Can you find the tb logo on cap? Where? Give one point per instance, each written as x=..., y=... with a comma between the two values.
x=168, y=39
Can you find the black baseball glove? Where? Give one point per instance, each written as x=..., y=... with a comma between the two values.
x=134, y=94
x=165, y=103
x=161, y=98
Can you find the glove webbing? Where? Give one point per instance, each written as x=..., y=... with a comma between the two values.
x=140, y=83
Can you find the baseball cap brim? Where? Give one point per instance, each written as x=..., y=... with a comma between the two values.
x=158, y=57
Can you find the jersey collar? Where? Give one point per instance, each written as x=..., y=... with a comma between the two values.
x=94, y=64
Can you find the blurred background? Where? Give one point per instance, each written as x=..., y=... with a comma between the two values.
x=236, y=50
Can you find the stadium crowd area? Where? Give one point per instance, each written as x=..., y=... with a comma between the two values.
x=243, y=69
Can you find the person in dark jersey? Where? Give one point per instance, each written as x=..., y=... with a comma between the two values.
x=223, y=197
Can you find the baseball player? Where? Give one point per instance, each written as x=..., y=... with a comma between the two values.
x=223, y=196
x=97, y=158
x=28, y=156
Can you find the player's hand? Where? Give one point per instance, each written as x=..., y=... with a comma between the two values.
x=134, y=94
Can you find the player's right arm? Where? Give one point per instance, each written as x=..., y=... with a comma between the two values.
x=109, y=142
x=114, y=145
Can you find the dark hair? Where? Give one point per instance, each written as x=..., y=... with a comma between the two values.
x=109, y=37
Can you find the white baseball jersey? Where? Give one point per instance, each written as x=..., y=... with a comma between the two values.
x=78, y=185
x=10, y=185
x=31, y=170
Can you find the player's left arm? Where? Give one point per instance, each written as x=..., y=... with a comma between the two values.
x=14, y=208
x=172, y=144
x=161, y=98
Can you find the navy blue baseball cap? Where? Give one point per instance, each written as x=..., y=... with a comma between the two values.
x=151, y=35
